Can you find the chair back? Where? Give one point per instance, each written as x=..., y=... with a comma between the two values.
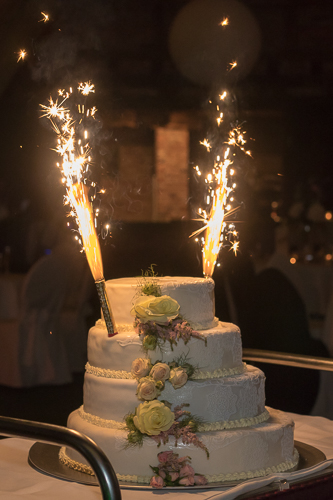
x=42, y=355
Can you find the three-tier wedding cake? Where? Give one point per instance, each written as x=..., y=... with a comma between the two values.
x=169, y=395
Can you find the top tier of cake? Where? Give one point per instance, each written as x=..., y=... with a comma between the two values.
x=194, y=295
x=196, y=299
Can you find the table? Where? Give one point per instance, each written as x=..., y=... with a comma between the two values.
x=19, y=481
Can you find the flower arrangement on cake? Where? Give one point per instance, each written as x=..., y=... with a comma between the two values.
x=173, y=470
x=157, y=320
x=157, y=316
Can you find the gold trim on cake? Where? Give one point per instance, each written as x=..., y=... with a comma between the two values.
x=100, y=422
x=234, y=424
x=198, y=375
x=205, y=427
x=106, y=373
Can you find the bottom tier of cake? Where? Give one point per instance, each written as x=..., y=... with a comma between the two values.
x=233, y=454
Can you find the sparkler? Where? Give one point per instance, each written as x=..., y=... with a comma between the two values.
x=220, y=183
x=73, y=146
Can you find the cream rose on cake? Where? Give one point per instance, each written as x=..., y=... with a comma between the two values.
x=140, y=367
x=157, y=309
x=160, y=372
x=153, y=417
x=148, y=389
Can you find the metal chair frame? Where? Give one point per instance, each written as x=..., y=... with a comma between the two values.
x=55, y=434
x=287, y=359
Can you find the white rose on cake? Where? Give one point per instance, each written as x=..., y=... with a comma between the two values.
x=158, y=309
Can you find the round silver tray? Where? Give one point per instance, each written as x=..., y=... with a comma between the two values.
x=45, y=459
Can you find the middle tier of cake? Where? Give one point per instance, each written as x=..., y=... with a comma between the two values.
x=224, y=401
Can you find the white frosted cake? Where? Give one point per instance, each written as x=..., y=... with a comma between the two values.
x=172, y=380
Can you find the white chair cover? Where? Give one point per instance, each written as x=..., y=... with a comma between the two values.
x=42, y=355
x=33, y=351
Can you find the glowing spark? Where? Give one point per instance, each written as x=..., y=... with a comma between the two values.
x=224, y=22
x=219, y=119
x=86, y=88
x=232, y=65
x=54, y=110
x=21, y=54
x=45, y=18
x=235, y=247
x=206, y=144
x=223, y=96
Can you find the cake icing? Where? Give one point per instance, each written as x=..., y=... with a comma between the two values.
x=223, y=350
x=186, y=366
x=215, y=399
x=194, y=295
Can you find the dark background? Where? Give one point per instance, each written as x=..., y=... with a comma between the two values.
x=286, y=100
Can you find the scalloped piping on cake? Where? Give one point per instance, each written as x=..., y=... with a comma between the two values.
x=199, y=375
x=234, y=424
x=282, y=467
x=100, y=422
x=205, y=427
x=106, y=373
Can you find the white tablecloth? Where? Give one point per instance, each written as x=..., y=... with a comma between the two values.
x=19, y=481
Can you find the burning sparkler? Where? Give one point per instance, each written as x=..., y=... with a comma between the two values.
x=73, y=146
x=220, y=184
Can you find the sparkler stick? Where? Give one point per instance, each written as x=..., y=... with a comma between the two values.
x=75, y=153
